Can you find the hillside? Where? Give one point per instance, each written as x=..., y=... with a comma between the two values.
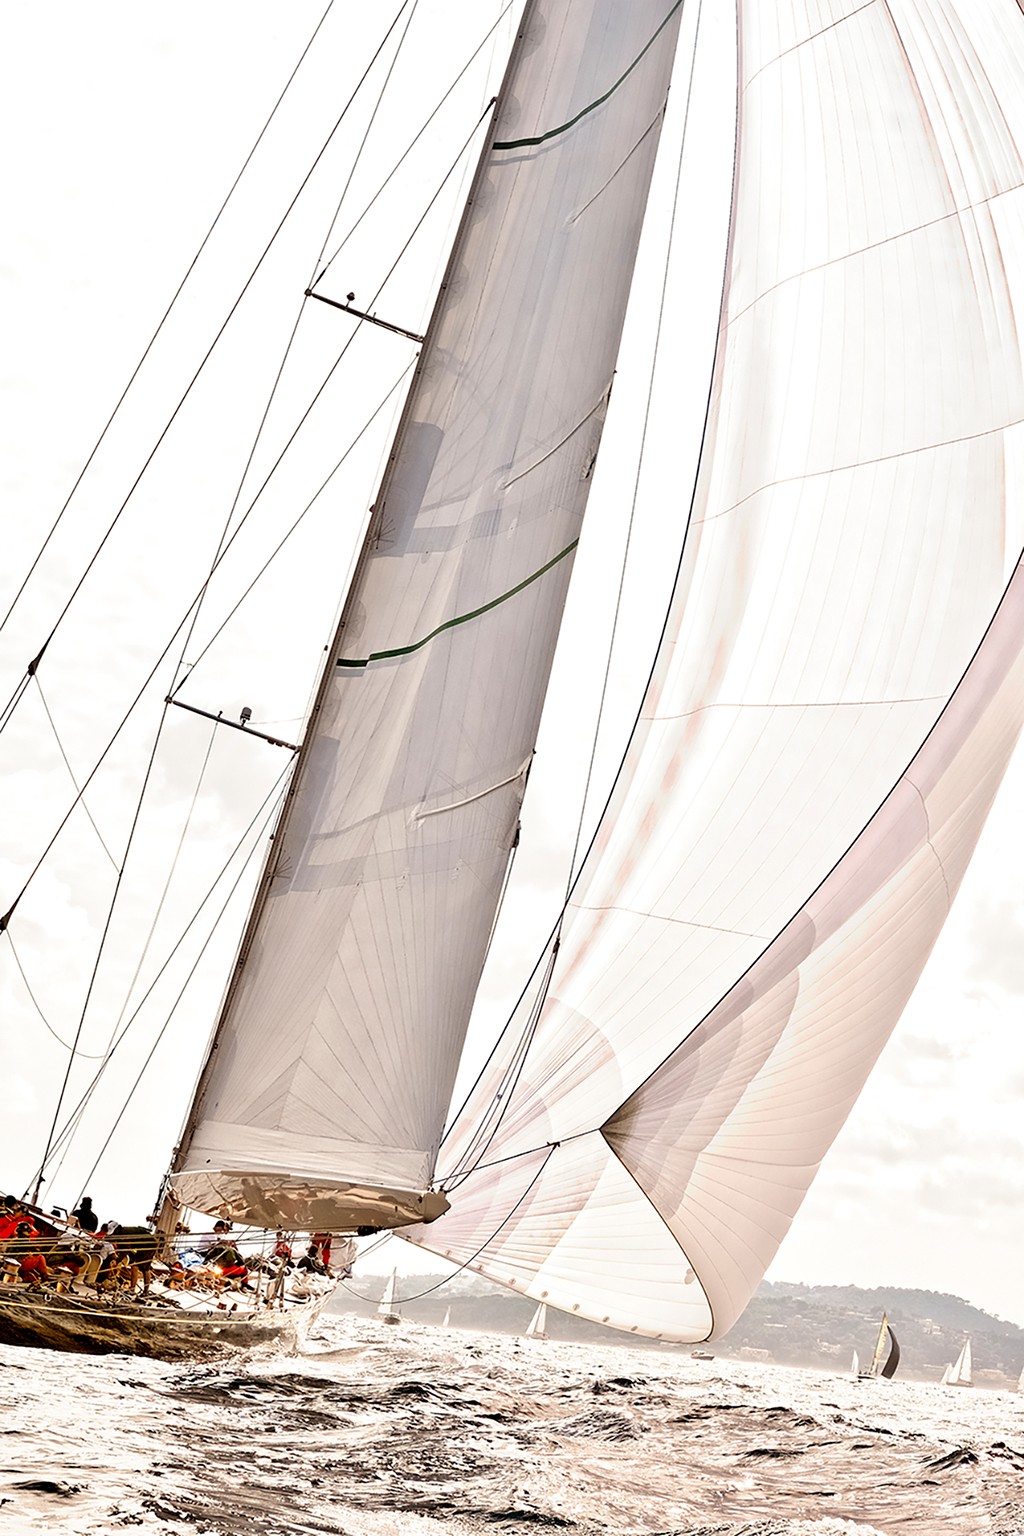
x=807, y=1325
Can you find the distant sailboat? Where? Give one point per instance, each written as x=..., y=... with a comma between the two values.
x=536, y=1328
x=446, y=1321
x=855, y=1364
x=387, y=1307
x=876, y=1368
x=960, y=1373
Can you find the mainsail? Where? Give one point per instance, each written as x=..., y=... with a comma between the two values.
x=837, y=693
x=961, y=1373
x=324, y=1097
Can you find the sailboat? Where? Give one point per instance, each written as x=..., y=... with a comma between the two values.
x=387, y=1307
x=446, y=1321
x=836, y=690
x=855, y=1365
x=537, y=1327
x=883, y=1365
x=959, y=1374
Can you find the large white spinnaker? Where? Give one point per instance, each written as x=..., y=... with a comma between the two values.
x=839, y=689
x=324, y=1096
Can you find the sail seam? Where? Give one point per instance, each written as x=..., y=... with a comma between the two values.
x=462, y=618
x=804, y=42
x=957, y=213
x=880, y=458
x=552, y=133
x=702, y=709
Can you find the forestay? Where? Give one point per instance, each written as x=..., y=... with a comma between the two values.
x=337, y=1049
x=837, y=695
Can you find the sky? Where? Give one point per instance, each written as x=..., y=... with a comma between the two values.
x=129, y=125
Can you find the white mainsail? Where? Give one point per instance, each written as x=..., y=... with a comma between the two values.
x=838, y=690
x=960, y=1374
x=386, y=1309
x=324, y=1097
x=537, y=1327
x=855, y=1365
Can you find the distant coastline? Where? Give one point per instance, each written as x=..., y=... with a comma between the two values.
x=817, y=1326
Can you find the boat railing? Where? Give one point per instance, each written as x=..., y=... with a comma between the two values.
x=211, y=1260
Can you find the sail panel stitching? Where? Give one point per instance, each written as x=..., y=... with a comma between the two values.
x=552, y=133
x=462, y=618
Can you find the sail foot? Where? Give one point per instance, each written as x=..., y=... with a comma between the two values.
x=294, y=1203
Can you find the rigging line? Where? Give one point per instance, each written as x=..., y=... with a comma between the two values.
x=330, y=374
x=490, y=1122
x=103, y=939
x=6, y=917
x=35, y=1003
x=167, y=883
x=71, y=772
x=16, y=697
x=305, y=415
x=552, y=133
x=414, y=141
x=270, y=401
x=401, y=1301
x=177, y=294
x=658, y=339
x=268, y=800
x=5, y=716
x=307, y=508
x=556, y=928
x=462, y=618
x=357, y=157
x=181, y=993
x=426, y=212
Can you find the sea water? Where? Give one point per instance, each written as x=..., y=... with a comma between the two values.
x=415, y=1431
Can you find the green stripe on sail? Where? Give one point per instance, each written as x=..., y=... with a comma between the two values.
x=553, y=133
x=463, y=618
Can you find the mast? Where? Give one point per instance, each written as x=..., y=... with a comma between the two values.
x=325, y=1090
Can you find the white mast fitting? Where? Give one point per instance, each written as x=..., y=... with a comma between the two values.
x=324, y=1095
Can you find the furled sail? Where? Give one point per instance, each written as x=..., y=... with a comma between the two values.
x=838, y=690
x=324, y=1096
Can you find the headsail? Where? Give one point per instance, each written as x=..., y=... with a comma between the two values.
x=324, y=1099
x=839, y=689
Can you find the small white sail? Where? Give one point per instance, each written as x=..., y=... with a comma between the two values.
x=536, y=1328
x=446, y=1321
x=960, y=1374
x=387, y=1307
x=1020, y=1382
x=855, y=1364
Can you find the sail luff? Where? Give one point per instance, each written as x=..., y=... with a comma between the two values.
x=368, y=946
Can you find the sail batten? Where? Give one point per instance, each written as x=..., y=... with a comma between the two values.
x=348, y=1016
